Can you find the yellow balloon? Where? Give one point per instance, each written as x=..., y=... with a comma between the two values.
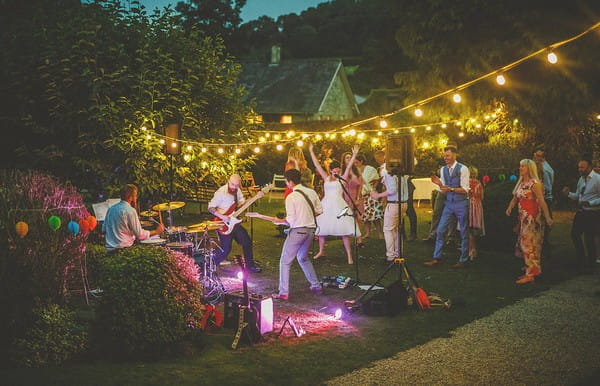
x=22, y=228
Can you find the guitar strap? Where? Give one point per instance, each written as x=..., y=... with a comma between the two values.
x=312, y=208
x=241, y=327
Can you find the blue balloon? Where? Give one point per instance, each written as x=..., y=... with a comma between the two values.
x=73, y=227
x=513, y=178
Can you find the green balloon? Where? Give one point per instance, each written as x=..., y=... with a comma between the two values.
x=54, y=222
x=502, y=177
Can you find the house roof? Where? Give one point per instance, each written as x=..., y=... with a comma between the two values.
x=297, y=86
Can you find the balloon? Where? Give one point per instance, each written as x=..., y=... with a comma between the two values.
x=84, y=226
x=513, y=178
x=91, y=220
x=54, y=222
x=502, y=177
x=486, y=179
x=22, y=228
x=73, y=227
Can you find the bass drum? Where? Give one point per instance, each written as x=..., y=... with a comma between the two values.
x=187, y=248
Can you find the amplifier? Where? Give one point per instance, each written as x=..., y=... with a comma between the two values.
x=262, y=304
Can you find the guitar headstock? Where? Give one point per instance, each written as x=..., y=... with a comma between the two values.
x=265, y=189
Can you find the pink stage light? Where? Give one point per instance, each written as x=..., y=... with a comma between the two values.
x=240, y=275
x=338, y=314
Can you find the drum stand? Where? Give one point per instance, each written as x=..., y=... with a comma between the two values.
x=213, y=288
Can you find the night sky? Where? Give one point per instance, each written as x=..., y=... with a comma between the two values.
x=254, y=8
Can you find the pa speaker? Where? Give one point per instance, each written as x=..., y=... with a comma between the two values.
x=400, y=153
x=387, y=302
x=172, y=145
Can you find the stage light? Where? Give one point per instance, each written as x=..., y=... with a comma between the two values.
x=383, y=124
x=189, y=147
x=240, y=275
x=501, y=80
x=418, y=112
x=552, y=58
x=338, y=314
x=456, y=98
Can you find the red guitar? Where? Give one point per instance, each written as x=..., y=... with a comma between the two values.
x=233, y=214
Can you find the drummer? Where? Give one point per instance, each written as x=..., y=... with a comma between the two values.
x=122, y=225
x=228, y=196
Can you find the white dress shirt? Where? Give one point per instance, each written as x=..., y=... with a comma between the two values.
x=298, y=212
x=222, y=199
x=588, y=190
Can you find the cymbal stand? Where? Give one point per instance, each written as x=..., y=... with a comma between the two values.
x=213, y=287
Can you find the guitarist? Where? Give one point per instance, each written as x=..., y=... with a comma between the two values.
x=302, y=206
x=225, y=200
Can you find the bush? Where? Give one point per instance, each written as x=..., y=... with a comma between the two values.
x=150, y=304
x=52, y=339
x=499, y=233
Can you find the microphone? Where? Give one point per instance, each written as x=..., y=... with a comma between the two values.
x=343, y=212
x=340, y=177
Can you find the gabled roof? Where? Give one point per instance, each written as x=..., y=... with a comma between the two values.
x=296, y=86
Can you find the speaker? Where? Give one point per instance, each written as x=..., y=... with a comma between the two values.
x=262, y=304
x=172, y=146
x=400, y=153
x=387, y=302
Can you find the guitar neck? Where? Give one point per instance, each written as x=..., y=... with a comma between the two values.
x=246, y=205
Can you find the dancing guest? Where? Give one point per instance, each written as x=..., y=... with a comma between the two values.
x=476, y=222
x=297, y=161
x=586, y=223
x=372, y=208
x=301, y=207
x=225, y=200
x=325, y=160
x=122, y=226
x=454, y=182
x=529, y=195
x=393, y=211
x=354, y=185
x=333, y=221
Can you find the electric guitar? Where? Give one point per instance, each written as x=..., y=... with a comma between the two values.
x=234, y=213
x=248, y=320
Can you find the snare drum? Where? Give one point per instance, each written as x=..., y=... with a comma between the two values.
x=176, y=234
x=185, y=247
x=154, y=241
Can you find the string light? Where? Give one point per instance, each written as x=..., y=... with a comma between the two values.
x=238, y=150
x=478, y=125
x=418, y=112
x=352, y=132
x=189, y=147
x=552, y=58
x=444, y=125
x=428, y=128
x=456, y=98
x=426, y=145
x=458, y=123
x=173, y=145
x=144, y=128
x=161, y=141
x=412, y=130
x=257, y=149
x=204, y=150
x=300, y=143
x=268, y=135
x=501, y=80
x=379, y=133
x=220, y=150
x=262, y=139
x=383, y=124
x=186, y=157
x=279, y=147
x=396, y=131
x=277, y=137
x=461, y=134
x=598, y=116
x=148, y=136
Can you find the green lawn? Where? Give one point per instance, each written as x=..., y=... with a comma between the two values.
x=329, y=348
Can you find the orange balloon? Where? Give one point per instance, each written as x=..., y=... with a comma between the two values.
x=22, y=228
x=84, y=226
x=91, y=220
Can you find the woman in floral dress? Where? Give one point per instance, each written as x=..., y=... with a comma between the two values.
x=529, y=196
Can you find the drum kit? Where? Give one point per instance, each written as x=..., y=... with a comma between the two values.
x=195, y=242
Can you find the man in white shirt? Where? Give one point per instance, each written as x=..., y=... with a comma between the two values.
x=454, y=182
x=122, y=226
x=224, y=202
x=302, y=207
x=586, y=224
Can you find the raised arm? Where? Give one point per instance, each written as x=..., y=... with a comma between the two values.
x=355, y=150
x=315, y=160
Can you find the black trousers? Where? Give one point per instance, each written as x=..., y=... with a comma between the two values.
x=240, y=235
x=586, y=226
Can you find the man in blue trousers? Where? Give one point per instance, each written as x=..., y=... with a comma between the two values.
x=454, y=182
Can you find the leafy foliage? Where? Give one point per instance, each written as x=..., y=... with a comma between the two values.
x=151, y=302
x=53, y=338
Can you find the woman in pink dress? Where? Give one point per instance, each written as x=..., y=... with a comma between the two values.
x=354, y=186
x=529, y=195
x=476, y=223
x=297, y=161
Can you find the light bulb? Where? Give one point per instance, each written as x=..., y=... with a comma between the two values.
x=552, y=58
x=396, y=131
x=220, y=150
x=279, y=147
x=383, y=124
x=456, y=98
x=379, y=133
x=173, y=145
x=412, y=129
x=189, y=147
x=186, y=157
x=261, y=139
x=257, y=149
x=418, y=112
x=144, y=128
x=461, y=134
x=277, y=137
x=428, y=128
x=300, y=143
x=148, y=136
x=238, y=150
x=162, y=141
x=426, y=145
x=444, y=125
x=500, y=80
x=204, y=150
x=352, y=132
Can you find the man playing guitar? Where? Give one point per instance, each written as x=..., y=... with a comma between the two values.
x=224, y=202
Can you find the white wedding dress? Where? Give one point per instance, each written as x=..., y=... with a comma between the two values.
x=333, y=204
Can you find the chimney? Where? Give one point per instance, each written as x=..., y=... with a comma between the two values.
x=275, y=55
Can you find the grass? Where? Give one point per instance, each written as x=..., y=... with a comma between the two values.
x=329, y=348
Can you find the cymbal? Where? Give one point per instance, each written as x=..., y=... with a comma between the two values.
x=168, y=205
x=148, y=213
x=201, y=227
x=145, y=223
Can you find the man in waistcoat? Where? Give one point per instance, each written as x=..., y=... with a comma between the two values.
x=454, y=182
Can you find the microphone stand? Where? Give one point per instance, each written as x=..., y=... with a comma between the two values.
x=355, y=212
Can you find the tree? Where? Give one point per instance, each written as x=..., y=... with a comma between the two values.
x=216, y=18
